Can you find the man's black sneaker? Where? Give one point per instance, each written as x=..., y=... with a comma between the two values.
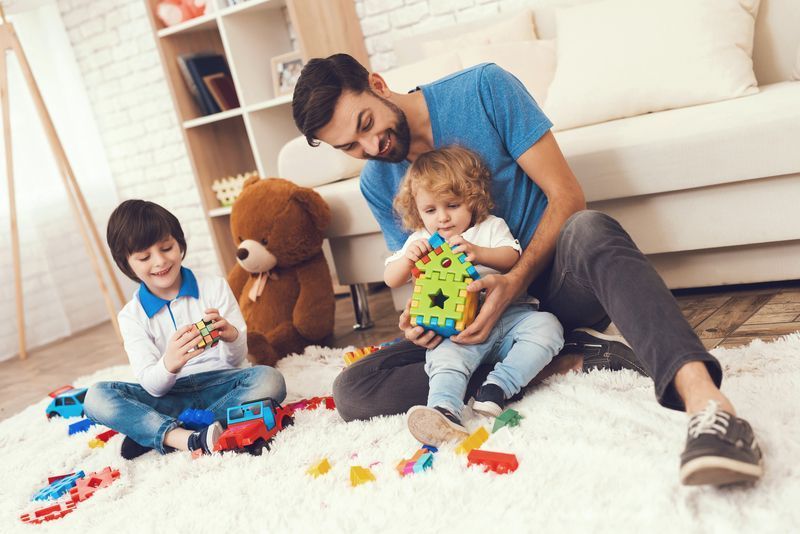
x=434, y=426
x=489, y=400
x=720, y=449
x=602, y=351
x=206, y=438
x=131, y=449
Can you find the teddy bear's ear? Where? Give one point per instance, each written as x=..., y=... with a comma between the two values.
x=315, y=206
x=250, y=181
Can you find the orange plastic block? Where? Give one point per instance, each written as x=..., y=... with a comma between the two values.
x=498, y=462
x=477, y=439
x=355, y=355
x=360, y=475
x=49, y=513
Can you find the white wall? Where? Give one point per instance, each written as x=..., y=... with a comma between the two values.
x=383, y=20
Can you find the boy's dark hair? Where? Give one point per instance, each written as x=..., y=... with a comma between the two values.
x=319, y=87
x=137, y=225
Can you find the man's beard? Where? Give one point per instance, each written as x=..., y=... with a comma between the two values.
x=401, y=134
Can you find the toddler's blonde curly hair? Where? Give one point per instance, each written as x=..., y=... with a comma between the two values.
x=451, y=172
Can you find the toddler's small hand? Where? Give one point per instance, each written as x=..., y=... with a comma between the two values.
x=417, y=250
x=460, y=245
x=227, y=332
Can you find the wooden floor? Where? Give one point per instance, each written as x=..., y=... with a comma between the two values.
x=723, y=317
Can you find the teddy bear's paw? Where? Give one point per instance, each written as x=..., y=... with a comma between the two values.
x=260, y=351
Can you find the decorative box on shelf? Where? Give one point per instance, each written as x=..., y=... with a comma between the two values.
x=228, y=188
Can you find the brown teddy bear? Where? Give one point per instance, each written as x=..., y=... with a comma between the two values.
x=281, y=278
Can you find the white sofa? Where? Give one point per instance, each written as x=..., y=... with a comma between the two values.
x=709, y=192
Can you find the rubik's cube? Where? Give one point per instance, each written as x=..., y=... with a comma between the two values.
x=440, y=301
x=210, y=337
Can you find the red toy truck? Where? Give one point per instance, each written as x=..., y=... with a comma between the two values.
x=252, y=426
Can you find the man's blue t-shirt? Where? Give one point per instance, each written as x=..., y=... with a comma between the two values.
x=486, y=109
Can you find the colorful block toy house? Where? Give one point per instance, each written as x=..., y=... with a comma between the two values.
x=440, y=301
x=210, y=337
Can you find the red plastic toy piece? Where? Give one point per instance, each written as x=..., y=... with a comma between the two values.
x=50, y=480
x=498, y=462
x=48, y=513
x=86, y=486
x=310, y=404
x=107, y=435
x=56, y=392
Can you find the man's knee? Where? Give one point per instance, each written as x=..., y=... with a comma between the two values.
x=584, y=227
x=347, y=400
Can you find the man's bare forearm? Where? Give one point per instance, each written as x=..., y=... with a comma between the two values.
x=539, y=252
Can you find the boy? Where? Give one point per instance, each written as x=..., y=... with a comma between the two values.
x=158, y=331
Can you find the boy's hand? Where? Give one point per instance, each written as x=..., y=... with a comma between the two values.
x=417, y=250
x=460, y=245
x=185, y=339
x=227, y=332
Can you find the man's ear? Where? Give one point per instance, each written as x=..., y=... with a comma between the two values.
x=378, y=85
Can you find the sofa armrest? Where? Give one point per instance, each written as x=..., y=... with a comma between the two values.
x=309, y=166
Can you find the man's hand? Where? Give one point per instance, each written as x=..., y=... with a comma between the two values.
x=185, y=339
x=417, y=250
x=460, y=245
x=415, y=333
x=501, y=290
x=227, y=332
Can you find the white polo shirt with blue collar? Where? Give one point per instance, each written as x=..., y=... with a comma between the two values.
x=147, y=322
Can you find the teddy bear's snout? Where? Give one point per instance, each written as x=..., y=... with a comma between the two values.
x=255, y=257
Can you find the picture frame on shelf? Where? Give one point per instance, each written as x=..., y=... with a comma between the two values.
x=285, y=72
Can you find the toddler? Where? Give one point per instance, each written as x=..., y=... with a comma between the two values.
x=161, y=339
x=447, y=191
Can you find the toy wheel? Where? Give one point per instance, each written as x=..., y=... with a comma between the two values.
x=257, y=448
x=53, y=414
x=287, y=420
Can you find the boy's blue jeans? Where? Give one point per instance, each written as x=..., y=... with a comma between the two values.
x=521, y=344
x=130, y=410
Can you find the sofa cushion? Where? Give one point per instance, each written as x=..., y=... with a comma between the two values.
x=518, y=27
x=620, y=58
x=729, y=141
x=409, y=77
x=532, y=62
x=312, y=166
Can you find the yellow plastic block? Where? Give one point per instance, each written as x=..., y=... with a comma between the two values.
x=95, y=443
x=477, y=439
x=360, y=475
x=319, y=468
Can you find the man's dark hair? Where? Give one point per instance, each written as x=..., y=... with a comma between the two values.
x=137, y=225
x=319, y=87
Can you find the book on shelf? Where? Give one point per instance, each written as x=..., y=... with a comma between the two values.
x=196, y=67
x=220, y=85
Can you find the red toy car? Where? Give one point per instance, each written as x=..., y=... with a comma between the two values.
x=252, y=426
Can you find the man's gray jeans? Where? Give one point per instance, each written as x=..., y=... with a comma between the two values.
x=597, y=275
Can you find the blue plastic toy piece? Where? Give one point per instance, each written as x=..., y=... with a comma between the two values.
x=425, y=462
x=195, y=419
x=81, y=426
x=262, y=409
x=67, y=404
x=58, y=488
x=430, y=448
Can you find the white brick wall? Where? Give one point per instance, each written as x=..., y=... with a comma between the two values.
x=384, y=20
x=116, y=53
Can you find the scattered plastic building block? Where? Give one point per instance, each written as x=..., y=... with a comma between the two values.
x=81, y=426
x=498, y=462
x=421, y=461
x=320, y=468
x=430, y=448
x=210, y=337
x=102, y=438
x=360, y=475
x=477, y=439
x=311, y=404
x=424, y=463
x=86, y=486
x=57, y=487
x=50, y=480
x=49, y=513
x=507, y=418
x=440, y=300
x=195, y=419
x=67, y=402
x=355, y=355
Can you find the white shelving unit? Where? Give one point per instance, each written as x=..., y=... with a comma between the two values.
x=248, y=34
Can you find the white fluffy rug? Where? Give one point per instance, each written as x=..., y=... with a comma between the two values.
x=596, y=454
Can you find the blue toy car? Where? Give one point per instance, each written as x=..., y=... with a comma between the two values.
x=67, y=402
